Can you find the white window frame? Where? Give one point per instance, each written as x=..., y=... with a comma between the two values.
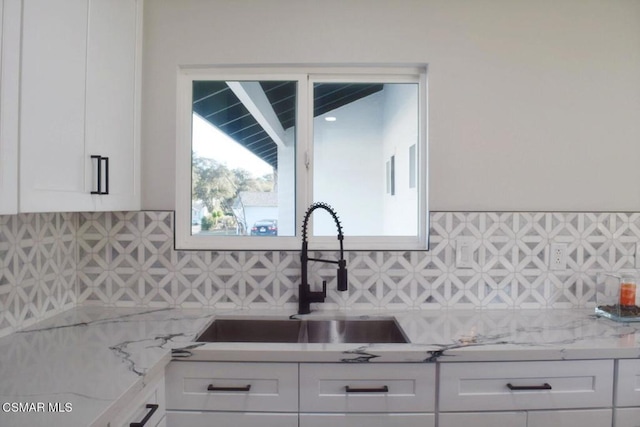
x=305, y=76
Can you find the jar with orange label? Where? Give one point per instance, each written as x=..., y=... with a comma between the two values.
x=628, y=292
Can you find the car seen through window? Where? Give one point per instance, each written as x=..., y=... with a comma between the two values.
x=265, y=227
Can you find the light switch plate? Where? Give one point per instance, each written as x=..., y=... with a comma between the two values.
x=464, y=252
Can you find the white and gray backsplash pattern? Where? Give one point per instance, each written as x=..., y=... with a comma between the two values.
x=127, y=259
x=37, y=267
x=53, y=261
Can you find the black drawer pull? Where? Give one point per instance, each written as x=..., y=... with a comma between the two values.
x=214, y=388
x=98, y=189
x=99, y=160
x=545, y=386
x=383, y=389
x=106, y=175
x=153, y=408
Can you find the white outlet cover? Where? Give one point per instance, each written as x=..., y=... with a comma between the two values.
x=464, y=252
x=558, y=256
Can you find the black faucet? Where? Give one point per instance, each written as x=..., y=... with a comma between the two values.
x=306, y=296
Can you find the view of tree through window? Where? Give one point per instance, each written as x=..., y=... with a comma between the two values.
x=243, y=144
x=215, y=191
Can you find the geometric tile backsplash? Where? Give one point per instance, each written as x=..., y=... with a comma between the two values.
x=51, y=261
x=38, y=267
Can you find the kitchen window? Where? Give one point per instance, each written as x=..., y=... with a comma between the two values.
x=257, y=145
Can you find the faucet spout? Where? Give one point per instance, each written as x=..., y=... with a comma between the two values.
x=306, y=296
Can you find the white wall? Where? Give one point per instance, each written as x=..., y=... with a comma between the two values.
x=286, y=189
x=347, y=155
x=400, y=132
x=533, y=105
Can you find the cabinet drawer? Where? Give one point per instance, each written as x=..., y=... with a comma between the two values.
x=235, y=419
x=582, y=418
x=627, y=417
x=483, y=419
x=136, y=408
x=384, y=387
x=368, y=420
x=485, y=386
x=271, y=387
x=628, y=388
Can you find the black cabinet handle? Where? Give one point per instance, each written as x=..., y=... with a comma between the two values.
x=545, y=386
x=106, y=175
x=153, y=408
x=98, y=189
x=383, y=389
x=214, y=388
x=99, y=161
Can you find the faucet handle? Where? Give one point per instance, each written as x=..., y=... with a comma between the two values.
x=319, y=296
x=342, y=276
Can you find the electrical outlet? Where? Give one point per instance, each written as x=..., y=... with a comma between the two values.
x=558, y=256
x=464, y=252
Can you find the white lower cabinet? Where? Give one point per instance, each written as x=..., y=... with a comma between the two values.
x=380, y=395
x=483, y=419
x=627, y=417
x=203, y=394
x=483, y=394
x=383, y=387
x=628, y=384
x=368, y=420
x=555, y=418
x=148, y=407
x=234, y=419
x=627, y=402
x=208, y=394
x=228, y=387
x=531, y=394
x=570, y=418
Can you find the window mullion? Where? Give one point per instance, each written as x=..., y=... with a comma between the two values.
x=304, y=119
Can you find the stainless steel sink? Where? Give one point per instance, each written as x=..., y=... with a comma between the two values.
x=251, y=330
x=354, y=331
x=304, y=331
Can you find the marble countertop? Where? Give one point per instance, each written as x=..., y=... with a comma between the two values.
x=449, y=336
x=92, y=357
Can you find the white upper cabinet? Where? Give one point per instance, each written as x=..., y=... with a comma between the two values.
x=112, y=99
x=80, y=98
x=9, y=100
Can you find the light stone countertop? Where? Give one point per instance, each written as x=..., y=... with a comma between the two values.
x=96, y=357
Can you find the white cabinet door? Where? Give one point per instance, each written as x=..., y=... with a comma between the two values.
x=572, y=418
x=514, y=386
x=627, y=417
x=10, y=18
x=229, y=386
x=368, y=420
x=112, y=98
x=235, y=419
x=80, y=68
x=52, y=108
x=483, y=419
x=385, y=387
x=628, y=383
x=148, y=404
